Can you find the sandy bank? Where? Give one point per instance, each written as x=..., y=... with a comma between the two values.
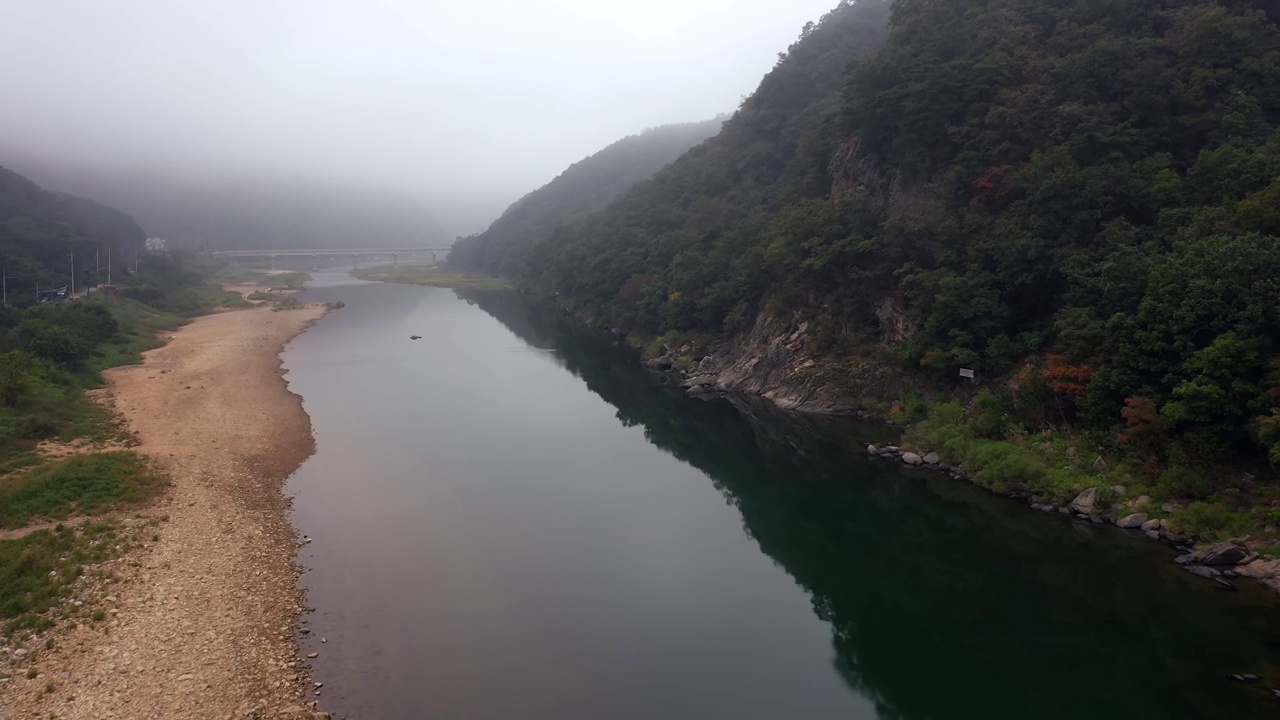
x=202, y=625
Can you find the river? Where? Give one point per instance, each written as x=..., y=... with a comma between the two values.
x=510, y=519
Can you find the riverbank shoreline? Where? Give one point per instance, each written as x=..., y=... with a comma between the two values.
x=768, y=366
x=203, y=615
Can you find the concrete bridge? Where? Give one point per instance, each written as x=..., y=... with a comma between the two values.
x=354, y=253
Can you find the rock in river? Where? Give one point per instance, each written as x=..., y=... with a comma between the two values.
x=911, y=458
x=1227, y=552
x=1132, y=521
x=1085, y=501
x=932, y=459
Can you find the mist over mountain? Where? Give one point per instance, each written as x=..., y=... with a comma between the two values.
x=585, y=187
x=39, y=231
x=224, y=210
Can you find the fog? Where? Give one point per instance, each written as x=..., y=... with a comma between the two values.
x=465, y=106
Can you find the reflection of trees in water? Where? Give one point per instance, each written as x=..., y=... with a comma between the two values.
x=943, y=602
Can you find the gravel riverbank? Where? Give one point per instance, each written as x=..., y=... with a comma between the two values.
x=203, y=621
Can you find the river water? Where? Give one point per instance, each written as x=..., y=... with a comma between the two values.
x=511, y=520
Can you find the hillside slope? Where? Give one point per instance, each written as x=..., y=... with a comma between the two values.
x=39, y=229
x=585, y=187
x=1079, y=201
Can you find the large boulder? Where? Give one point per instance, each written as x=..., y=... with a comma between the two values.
x=1151, y=526
x=659, y=363
x=1085, y=502
x=1132, y=521
x=1227, y=552
x=911, y=458
x=932, y=459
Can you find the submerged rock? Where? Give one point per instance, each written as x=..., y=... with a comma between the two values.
x=1202, y=570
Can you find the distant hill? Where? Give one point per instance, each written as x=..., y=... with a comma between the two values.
x=222, y=212
x=587, y=186
x=39, y=229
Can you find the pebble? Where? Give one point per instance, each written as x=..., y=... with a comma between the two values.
x=313, y=655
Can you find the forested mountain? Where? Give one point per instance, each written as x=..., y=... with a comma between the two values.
x=587, y=186
x=220, y=211
x=1078, y=200
x=39, y=229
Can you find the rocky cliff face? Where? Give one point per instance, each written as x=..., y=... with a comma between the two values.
x=775, y=360
x=853, y=170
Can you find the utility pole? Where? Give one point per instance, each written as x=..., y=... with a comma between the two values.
x=108, y=264
x=73, y=272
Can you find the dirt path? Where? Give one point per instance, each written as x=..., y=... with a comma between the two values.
x=203, y=624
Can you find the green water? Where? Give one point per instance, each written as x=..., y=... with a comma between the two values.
x=513, y=521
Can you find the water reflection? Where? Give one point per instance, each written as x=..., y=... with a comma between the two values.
x=944, y=602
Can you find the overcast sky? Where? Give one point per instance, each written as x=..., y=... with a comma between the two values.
x=459, y=102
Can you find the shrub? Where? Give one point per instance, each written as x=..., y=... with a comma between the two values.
x=1183, y=481
x=1208, y=521
x=1012, y=473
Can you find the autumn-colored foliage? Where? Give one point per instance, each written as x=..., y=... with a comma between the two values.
x=1066, y=379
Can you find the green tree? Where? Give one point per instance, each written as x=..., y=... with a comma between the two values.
x=17, y=372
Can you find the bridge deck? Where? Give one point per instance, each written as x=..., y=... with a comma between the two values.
x=281, y=252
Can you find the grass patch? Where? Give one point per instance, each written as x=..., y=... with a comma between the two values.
x=139, y=329
x=288, y=281
x=38, y=571
x=431, y=275
x=262, y=296
x=1054, y=467
x=81, y=484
